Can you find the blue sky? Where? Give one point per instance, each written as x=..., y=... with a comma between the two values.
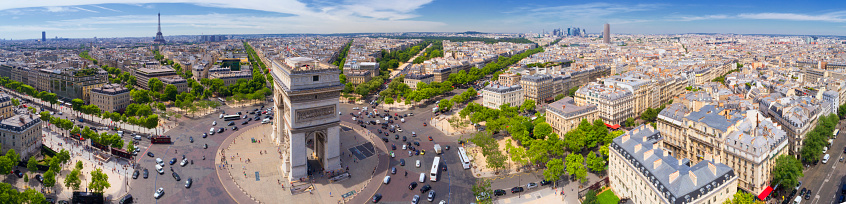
x=137, y=18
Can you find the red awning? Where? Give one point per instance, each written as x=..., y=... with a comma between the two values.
x=766, y=193
x=615, y=126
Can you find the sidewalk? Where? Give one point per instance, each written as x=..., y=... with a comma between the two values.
x=118, y=169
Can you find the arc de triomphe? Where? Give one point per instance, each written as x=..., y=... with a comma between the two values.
x=305, y=96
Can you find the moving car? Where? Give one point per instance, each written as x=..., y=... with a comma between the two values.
x=417, y=164
x=393, y=170
x=146, y=173
x=158, y=193
x=425, y=188
x=387, y=179
x=172, y=161
x=41, y=179
x=412, y=185
x=431, y=196
x=191, y=139
x=189, y=182
x=415, y=199
x=134, y=175
x=184, y=162
x=150, y=154
x=377, y=197
x=175, y=176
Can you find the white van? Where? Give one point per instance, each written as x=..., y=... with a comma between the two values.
x=137, y=137
x=159, y=169
x=267, y=120
x=422, y=177
x=825, y=158
x=797, y=200
x=120, y=132
x=159, y=161
x=221, y=116
x=387, y=179
x=211, y=131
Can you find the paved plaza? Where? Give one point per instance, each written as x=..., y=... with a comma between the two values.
x=252, y=167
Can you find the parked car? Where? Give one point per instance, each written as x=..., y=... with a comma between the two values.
x=41, y=179
x=146, y=173
x=499, y=192
x=150, y=154
x=431, y=196
x=172, y=161
x=415, y=199
x=545, y=182
x=808, y=195
x=516, y=190
x=531, y=185
x=134, y=175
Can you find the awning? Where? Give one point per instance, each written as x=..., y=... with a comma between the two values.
x=766, y=193
x=615, y=126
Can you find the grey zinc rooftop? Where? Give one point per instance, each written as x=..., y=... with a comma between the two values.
x=757, y=135
x=709, y=114
x=566, y=107
x=502, y=89
x=675, y=111
x=668, y=175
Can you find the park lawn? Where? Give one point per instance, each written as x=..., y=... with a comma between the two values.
x=607, y=197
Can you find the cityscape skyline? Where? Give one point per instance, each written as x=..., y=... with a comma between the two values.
x=117, y=18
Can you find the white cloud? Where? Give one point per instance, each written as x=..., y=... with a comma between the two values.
x=699, y=18
x=104, y=8
x=837, y=17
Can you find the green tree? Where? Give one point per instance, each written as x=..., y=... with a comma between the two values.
x=572, y=91
x=595, y=163
x=743, y=198
x=559, y=97
x=516, y=154
x=170, y=92
x=575, y=166
x=155, y=84
x=99, y=181
x=31, y=165
x=49, y=178
x=604, y=151
x=542, y=130
x=630, y=122
x=575, y=140
x=389, y=100
x=787, y=171
x=528, y=105
x=76, y=104
x=72, y=180
x=79, y=165
x=554, y=170
x=16, y=102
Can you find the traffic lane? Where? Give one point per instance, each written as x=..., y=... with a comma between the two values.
x=397, y=189
x=207, y=186
x=819, y=178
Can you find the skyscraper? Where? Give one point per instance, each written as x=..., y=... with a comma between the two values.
x=159, y=38
x=606, y=34
x=43, y=36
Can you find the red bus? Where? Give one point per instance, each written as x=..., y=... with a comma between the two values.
x=99, y=146
x=121, y=153
x=161, y=139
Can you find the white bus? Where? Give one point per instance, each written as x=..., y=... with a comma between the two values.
x=433, y=175
x=462, y=155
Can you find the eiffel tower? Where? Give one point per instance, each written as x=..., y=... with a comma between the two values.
x=159, y=38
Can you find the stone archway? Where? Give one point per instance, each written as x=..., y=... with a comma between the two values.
x=316, y=149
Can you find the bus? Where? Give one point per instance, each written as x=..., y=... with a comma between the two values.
x=836, y=131
x=462, y=155
x=231, y=117
x=433, y=176
x=161, y=139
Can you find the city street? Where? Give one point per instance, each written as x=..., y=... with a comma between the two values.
x=206, y=187
x=453, y=185
x=824, y=180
